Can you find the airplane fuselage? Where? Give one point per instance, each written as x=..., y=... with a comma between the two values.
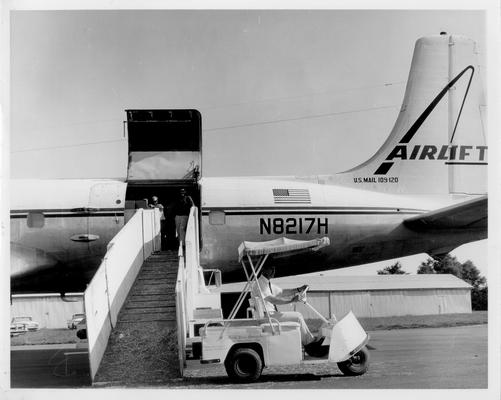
x=423, y=191
x=67, y=245
x=362, y=226
x=59, y=243
x=52, y=259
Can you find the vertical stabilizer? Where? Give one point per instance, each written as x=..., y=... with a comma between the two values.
x=438, y=143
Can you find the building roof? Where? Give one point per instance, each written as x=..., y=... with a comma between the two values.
x=363, y=283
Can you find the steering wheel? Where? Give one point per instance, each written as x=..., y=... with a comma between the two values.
x=301, y=296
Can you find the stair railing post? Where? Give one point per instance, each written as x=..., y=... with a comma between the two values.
x=142, y=230
x=110, y=316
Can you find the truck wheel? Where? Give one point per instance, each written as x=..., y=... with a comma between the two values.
x=82, y=333
x=356, y=365
x=244, y=365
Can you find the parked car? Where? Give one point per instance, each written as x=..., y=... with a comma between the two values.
x=24, y=323
x=75, y=320
x=82, y=329
x=17, y=329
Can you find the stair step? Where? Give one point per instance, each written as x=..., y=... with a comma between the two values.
x=154, y=281
x=171, y=325
x=148, y=294
x=150, y=307
x=145, y=297
x=150, y=300
x=148, y=317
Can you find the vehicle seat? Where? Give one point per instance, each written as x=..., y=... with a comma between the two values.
x=256, y=308
x=284, y=326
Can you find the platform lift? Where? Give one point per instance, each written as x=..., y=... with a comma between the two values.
x=247, y=345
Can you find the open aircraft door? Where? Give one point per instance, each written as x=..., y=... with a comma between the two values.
x=164, y=146
x=165, y=155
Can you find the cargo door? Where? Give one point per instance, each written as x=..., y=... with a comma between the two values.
x=164, y=146
x=165, y=156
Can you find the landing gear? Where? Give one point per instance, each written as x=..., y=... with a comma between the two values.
x=356, y=365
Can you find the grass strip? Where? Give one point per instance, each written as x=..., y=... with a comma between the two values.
x=64, y=336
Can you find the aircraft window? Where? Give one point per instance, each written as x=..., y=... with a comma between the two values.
x=217, y=218
x=35, y=220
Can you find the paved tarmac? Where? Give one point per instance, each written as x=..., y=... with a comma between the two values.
x=405, y=359
x=49, y=367
x=433, y=358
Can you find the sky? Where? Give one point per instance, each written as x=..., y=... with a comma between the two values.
x=280, y=92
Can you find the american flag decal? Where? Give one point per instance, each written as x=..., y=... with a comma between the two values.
x=291, y=196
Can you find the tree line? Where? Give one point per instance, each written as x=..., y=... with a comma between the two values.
x=466, y=271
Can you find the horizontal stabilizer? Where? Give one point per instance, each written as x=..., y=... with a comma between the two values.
x=469, y=214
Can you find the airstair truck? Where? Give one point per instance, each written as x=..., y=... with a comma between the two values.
x=247, y=345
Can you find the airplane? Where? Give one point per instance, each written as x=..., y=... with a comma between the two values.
x=423, y=191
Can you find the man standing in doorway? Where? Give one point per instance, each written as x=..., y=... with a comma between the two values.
x=181, y=213
x=156, y=204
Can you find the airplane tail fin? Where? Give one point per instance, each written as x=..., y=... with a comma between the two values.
x=438, y=143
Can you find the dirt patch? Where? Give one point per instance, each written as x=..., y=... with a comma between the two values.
x=416, y=321
x=63, y=336
x=130, y=359
x=47, y=336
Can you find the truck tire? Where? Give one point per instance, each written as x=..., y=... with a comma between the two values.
x=356, y=365
x=244, y=365
x=82, y=333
